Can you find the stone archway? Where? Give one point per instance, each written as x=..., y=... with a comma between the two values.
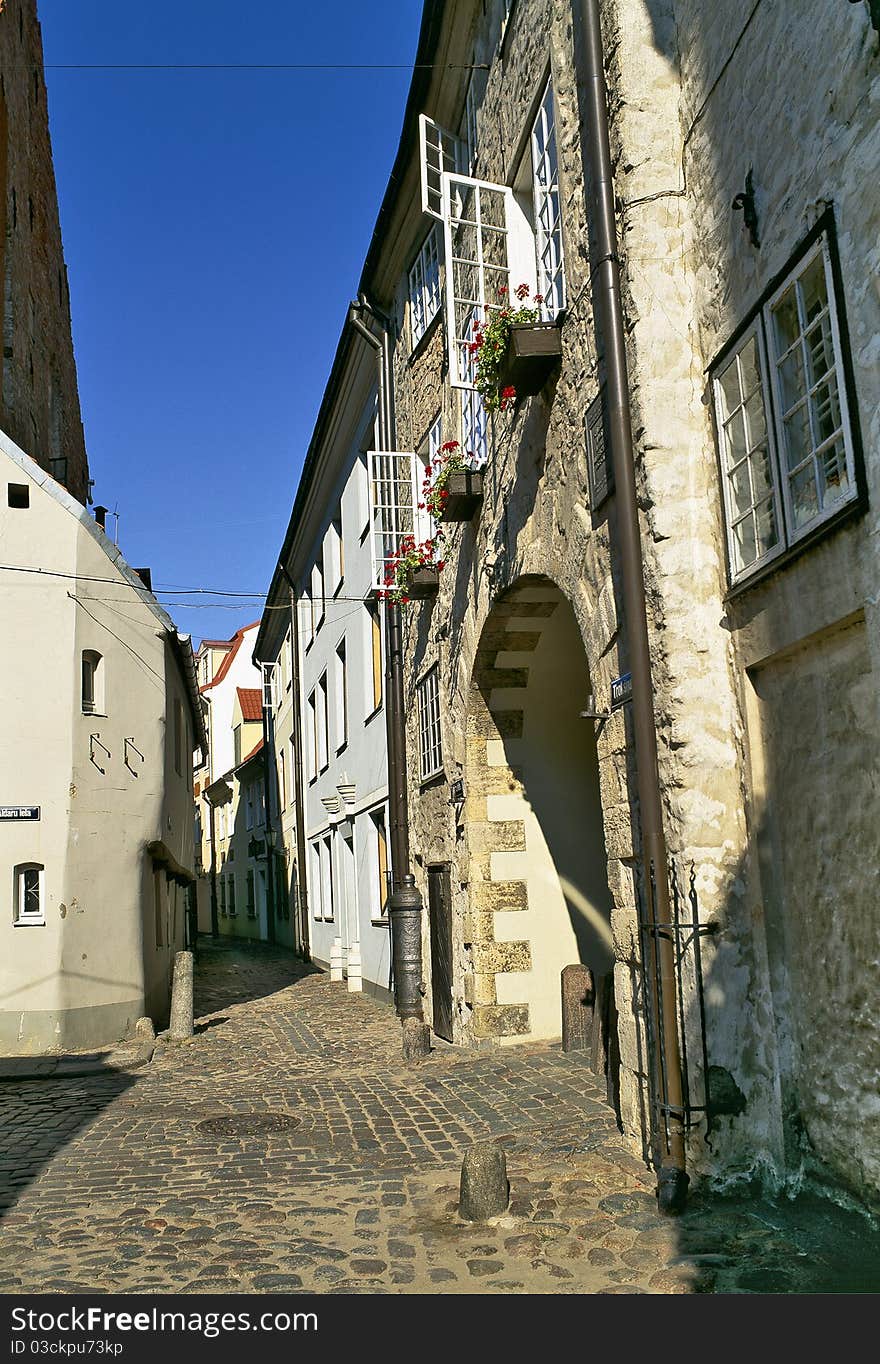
x=538, y=879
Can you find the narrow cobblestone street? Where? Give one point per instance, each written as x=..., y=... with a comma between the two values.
x=287, y=1148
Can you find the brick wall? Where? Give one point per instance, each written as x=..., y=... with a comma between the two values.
x=39, y=402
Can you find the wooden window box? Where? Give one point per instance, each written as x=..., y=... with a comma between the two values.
x=423, y=584
x=533, y=352
x=465, y=489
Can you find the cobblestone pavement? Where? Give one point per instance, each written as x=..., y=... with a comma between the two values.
x=287, y=1148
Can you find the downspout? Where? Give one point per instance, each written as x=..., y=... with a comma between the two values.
x=672, y=1177
x=405, y=902
x=301, y=879
x=269, y=750
x=215, y=917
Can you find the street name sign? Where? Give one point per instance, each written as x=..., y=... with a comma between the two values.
x=19, y=812
x=621, y=691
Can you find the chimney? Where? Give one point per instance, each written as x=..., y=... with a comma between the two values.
x=146, y=577
x=100, y=517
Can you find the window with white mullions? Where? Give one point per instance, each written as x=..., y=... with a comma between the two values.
x=816, y=460
x=424, y=286
x=750, y=492
x=395, y=491
x=483, y=243
x=786, y=442
x=430, y=738
x=548, y=218
x=439, y=152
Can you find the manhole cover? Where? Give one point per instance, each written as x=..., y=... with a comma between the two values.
x=248, y=1124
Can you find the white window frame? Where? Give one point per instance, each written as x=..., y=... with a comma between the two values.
x=487, y=270
x=424, y=286
x=328, y=889
x=308, y=614
x=732, y=518
x=317, y=888
x=430, y=728
x=335, y=556
x=820, y=247
x=341, y=695
x=473, y=103
x=395, y=487
x=318, y=595
x=21, y=917
x=322, y=747
x=312, y=733
x=474, y=429
x=94, y=661
x=762, y=329
x=439, y=152
x=549, y=248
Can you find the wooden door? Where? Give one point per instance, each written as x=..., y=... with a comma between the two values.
x=440, y=913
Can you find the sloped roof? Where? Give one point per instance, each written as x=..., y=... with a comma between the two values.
x=233, y=645
x=251, y=701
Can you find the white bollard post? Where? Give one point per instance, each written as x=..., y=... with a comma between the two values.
x=336, y=959
x=355, y=978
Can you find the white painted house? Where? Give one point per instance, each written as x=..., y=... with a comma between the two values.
x=327, y=650
x=101, y=714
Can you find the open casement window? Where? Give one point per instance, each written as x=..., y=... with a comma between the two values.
x=395, y=491
x=489, y=251
x=439, y=152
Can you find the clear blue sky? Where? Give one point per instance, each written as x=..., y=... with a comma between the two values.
x=215, y=224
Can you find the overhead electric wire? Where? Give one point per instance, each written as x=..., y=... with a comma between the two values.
x=264, y=66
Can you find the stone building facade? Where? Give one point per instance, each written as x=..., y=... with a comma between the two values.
x=39, y=400
x=748, y=231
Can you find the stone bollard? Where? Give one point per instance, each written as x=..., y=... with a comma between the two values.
x=578, y=1000
x=144, y=1030
x=416, y=1039
x=484, y=1191
x=336, y=959
x=181, y=1026
x=355, y=978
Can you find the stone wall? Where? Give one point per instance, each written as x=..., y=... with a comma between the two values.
x=694, y=100
x=805, y=640
x=39, y=402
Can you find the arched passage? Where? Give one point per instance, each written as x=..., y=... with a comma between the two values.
x=538, y=884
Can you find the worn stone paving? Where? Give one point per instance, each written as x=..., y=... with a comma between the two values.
x=127, y=1182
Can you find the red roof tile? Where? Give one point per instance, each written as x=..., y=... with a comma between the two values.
x=251, y=701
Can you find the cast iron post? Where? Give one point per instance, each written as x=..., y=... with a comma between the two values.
x=405, y=901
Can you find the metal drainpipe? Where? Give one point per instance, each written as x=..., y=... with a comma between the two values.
x=215, y=916
x=672, y=1177
x=268, y=749
x=405, y=902
x=301, y=879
